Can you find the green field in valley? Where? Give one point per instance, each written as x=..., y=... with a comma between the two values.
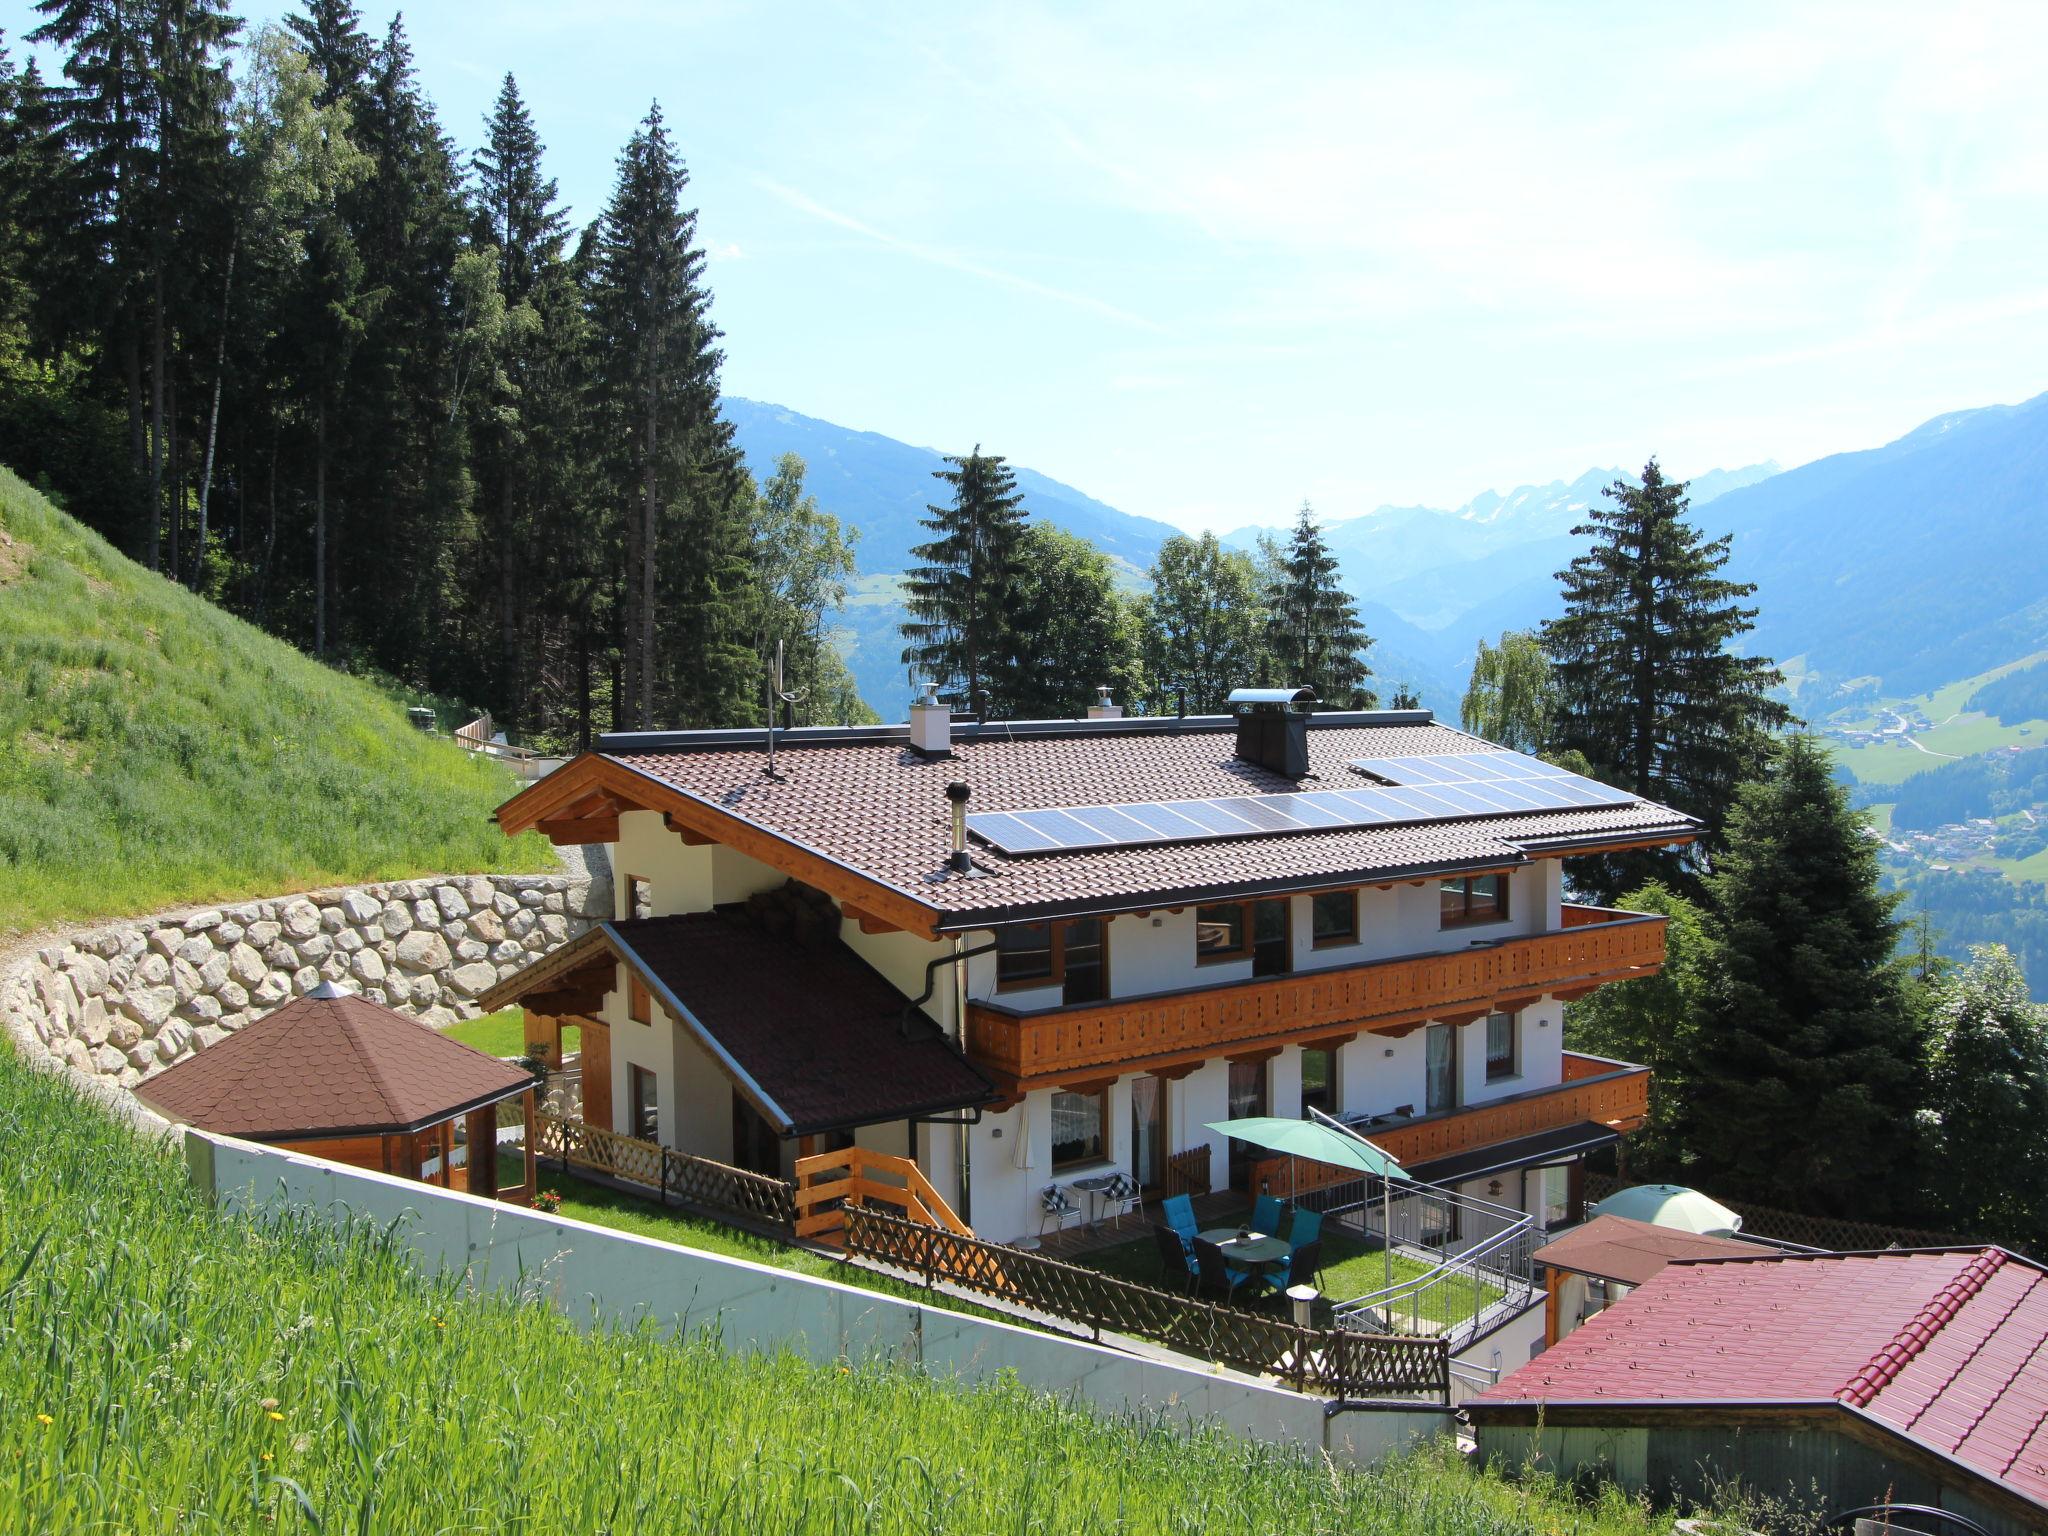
x=165, y=1368
x=155, y=751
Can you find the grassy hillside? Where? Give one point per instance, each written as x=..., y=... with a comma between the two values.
x=168, y=1369
x=154, y=750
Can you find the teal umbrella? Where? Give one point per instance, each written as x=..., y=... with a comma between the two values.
x=1671, y=1205
x=1321, y=1143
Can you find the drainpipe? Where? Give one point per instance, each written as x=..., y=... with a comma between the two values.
x=960, y=1035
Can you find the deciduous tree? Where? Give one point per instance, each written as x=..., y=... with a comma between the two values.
x=1204, y=625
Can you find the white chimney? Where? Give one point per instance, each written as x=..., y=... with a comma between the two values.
x=931, y=724
x=1102, y=709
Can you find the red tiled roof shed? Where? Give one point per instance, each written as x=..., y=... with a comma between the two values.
x=1947, y=1350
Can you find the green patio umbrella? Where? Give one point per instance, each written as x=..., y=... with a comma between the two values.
x=1321, y=1143
x=1671, y=1205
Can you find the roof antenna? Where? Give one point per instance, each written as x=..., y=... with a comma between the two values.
x=775, y=693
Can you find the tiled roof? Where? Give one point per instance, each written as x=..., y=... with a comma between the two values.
x=329, y=1066
x=1948, y=1349
x=880, y=808
x=818, y=1033
x=1616, y=1248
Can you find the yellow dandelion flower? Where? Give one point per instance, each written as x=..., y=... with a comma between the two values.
x=274, y=1416
x=266, y=1455
x=44, y=1418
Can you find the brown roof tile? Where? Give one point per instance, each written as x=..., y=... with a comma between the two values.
x=329, y=1066
x=880, y=809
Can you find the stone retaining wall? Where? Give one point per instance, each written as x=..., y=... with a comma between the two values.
x=122, y=1002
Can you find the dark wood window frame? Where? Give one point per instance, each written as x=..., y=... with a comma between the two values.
x=1102, y=1131
x=1500, y=1069
x=1057, y=976
x=1246, y=934
x=1336, y=940
x=1447, y=917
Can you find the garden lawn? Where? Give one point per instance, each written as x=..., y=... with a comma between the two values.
x=495, y=1034
x=155, y=751
x=164, y=1368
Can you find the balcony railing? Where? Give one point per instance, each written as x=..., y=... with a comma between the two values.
x=1024, y=1050
x=1610, y=1093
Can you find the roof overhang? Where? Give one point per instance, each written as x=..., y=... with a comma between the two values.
x=1552, y=1146
x=304, y=1132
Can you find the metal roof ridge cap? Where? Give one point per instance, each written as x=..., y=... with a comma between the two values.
x=1918, y=1331
x=629, y=742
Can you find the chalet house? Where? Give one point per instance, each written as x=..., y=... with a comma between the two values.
x=1025, y=953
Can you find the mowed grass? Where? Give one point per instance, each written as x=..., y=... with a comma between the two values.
x=495, y=1034
x=155, y=751
x=164, y=1369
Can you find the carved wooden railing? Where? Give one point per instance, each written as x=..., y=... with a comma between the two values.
x=1331, y=1361
x=674, y=1176
x=1025, y=1050
x=829, y=1184
x=1615, y=1095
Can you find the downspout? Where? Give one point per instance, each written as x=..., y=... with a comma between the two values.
x=959, y=1010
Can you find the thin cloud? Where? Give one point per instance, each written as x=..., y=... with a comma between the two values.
x=939, y=257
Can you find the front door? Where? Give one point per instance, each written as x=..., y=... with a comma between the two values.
x=1148, y=1131
x=1247, y=1101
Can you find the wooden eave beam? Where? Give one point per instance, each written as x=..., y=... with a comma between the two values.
x=869, y=923
x=573, y=832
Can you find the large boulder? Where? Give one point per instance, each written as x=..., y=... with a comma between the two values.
x=301, y=919
x=477, y=976
x=360, y=908
x=423, y=951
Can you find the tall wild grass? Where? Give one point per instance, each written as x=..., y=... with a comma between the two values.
x=154, y=750
x=165, y=1369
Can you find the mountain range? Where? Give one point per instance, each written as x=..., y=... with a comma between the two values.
x=1913, y=563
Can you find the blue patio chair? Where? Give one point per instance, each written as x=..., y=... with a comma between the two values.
x=1222, y=1278
x=1180, y=1214
x=1266, y=1215
x=1307, y=1228
x=1305, y=1263
x=1176, y=1264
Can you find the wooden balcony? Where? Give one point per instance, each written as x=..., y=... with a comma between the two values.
x=1615, y=1094
x=1094, y=1041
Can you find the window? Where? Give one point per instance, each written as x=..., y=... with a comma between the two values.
x=638, y=894
x=1474, y=899
x=1501, y=1030
x=1440, y=1069
x=1333, y=918
x=639, y=1006
x=1556, y=1194
x=1078, y=1121
x=1272, y=938
x=1247, y=1097
x=643, y=1092
x=1222, y=933
x=1318, y=1082
x=1072, y=956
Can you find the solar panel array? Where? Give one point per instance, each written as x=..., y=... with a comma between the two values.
x=1395, y=791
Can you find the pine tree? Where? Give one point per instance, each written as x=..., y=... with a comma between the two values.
x=1314, y=635
x=515, y=198
x=962, y=599
x=1204, y=625
x=1803, y=1075
x=675, y=472
x=1647, y=686
x=1987, y=1126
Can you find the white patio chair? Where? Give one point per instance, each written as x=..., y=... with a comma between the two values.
x=1055, y=1205
x=1123, y=1197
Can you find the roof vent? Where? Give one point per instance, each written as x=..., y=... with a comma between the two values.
x=931, y=724
x=1272, y=728
x=1102, y=709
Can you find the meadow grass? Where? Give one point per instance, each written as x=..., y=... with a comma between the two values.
x=155, y=751
x=495, y=1034
x=165, y=1368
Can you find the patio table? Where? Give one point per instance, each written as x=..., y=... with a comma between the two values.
x=1094, y=1187
x=1253, y=1252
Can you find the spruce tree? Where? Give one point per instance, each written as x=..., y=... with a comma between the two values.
x=962, y=600
x=1802, y=1079
x=674, y=472
x=1313, y=633
x=1648, y=689
x=1987, y=1126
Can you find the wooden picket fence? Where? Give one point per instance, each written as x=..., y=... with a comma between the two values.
x=1332, y=1362
x=829, y=1184
x=1187, y=1173
x=674, y=1177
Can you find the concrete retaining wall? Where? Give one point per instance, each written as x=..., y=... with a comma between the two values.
x=591, y=1271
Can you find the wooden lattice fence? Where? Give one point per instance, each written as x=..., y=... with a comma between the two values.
x=1332, y=1362
x=1832, y=1233
x=674, y=1176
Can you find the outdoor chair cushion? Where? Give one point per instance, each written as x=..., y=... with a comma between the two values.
x=1180, y=1214
x=1266, y=1215
x=1308, y=1226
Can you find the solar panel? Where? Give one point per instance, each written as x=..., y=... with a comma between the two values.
x=1396, y=790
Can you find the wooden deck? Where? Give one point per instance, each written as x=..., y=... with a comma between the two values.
x=1072, y=1241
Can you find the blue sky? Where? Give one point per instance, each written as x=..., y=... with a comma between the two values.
x=1203, y=263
